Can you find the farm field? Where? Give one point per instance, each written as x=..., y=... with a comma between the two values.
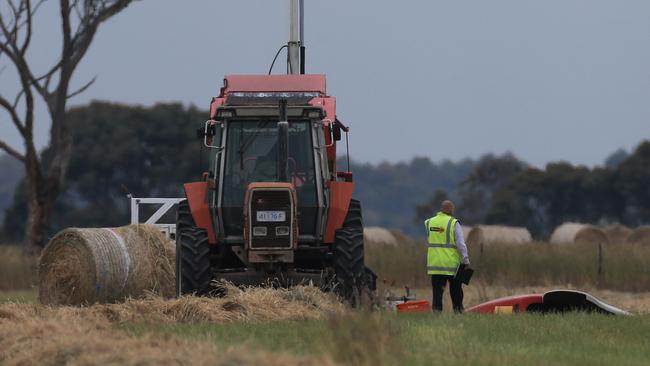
x=576, y=339
x=302, y=327
x=149, y=331
x=349, y=338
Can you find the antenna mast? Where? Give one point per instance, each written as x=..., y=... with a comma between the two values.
x=296, y=43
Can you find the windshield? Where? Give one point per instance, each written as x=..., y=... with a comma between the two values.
x=252, y=156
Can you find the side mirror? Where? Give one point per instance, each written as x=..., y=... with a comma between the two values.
x=208, y=130
x=336, y=132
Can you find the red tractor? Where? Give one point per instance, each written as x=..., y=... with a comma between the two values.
x=274, y=205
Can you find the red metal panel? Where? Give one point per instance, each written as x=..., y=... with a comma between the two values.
x=216, y=103
x=196, y=193
x=274, y=83
x=415, y=306
x=340, y=196
x=516, y=304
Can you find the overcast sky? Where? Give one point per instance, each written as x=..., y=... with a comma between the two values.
x=546, y=80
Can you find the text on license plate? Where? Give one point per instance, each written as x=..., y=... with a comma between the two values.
x=271, y=216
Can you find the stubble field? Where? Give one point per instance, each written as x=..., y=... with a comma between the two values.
x=304, y=327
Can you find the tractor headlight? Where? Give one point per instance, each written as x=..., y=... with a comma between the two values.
x=225, y=113
x=259, y=230
x=282, y=231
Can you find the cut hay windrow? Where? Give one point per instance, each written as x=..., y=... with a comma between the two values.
x=99, y=265
x=570, y=233
x=497, y=234
x=251, y=304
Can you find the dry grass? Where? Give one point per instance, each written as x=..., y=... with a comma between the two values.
x=45, y=335
x=620, y=267
x=73, y=342
x=254, y=304
x=17, y=272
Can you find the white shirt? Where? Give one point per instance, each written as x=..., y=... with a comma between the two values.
x=460, y=244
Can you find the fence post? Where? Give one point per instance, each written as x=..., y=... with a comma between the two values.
x=600, y=265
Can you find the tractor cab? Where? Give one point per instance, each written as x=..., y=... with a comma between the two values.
x=251, y=152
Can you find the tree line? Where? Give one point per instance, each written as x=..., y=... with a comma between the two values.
x=152, y=151
x=505, y=190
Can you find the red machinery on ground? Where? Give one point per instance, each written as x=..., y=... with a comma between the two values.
x=273, y=205
x=556, y=301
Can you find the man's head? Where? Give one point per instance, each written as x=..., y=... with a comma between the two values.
x=447, y=207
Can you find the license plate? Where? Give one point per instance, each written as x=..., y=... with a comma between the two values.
x=271, y=216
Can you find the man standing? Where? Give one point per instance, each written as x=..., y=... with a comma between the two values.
x=446, y=256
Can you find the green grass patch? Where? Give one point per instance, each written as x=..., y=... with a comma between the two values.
x=19, y=296
x=296, y=337
x=572, y=339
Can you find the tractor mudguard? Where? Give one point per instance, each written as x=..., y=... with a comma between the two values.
x=340, y=196
x=196, y=194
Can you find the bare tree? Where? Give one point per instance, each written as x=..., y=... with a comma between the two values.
x=80, y=20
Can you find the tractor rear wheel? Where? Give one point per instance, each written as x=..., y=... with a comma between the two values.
x=348, y=257
x=193, y=269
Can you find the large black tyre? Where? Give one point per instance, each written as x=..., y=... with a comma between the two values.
x=349, y=265
x=193, y=270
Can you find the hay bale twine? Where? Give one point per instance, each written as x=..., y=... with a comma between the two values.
x=640, y=235
x=378, y=236
x=498, y=234
x=575, y=233
x=99, y=265
x=617, y=233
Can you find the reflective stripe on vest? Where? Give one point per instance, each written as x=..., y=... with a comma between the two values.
x=442, y=253
x=445, y=269
x=441, y=245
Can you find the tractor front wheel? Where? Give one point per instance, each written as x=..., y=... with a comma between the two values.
x=351, y=273
x=193, y=269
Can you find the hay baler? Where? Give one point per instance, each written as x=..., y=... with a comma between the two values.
x=274, y=204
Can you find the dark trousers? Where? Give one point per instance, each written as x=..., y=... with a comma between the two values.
x=438, y=283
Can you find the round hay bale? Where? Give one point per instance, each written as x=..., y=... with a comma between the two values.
x=378, y=236
x=498, y=234
x=570, y=233
x=402, y=238
x=466, y=230
x=640, y=235
x=617, y=233
x=473, y=235
x=97, y=265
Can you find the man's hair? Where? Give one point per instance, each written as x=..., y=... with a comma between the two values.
x=447, y=207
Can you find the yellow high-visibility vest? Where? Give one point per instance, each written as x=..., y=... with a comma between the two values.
x=442, y=256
